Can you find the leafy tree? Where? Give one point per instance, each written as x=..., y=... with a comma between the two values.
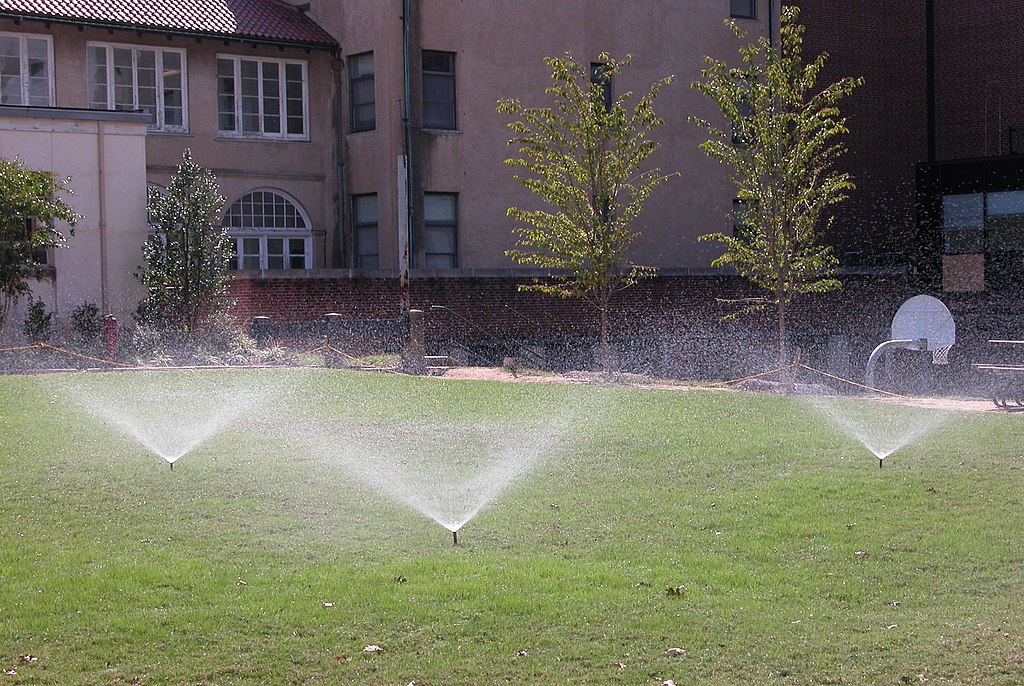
x=187, y=256
x=781, y=147
x=30, y=207
x=583, y=157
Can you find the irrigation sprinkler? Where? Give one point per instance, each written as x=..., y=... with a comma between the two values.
x=455, y=537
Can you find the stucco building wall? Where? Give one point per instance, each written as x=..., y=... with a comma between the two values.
x=104, y=154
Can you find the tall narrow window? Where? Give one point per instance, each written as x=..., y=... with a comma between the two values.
x=438, y=90
x=742, y=9
x=262, y=98
x=269, y=231
x=963, y=223
x=741, y=217
x=126, y=77
x=440, y=223
x=26, y=76
x=364, y=220
x=599, y=76
x=361, y=94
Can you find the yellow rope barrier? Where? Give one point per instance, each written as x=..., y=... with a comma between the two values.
x=752, y=376
x=21, y=347
x=292, y=357
x=84, y=357
x=852, y=383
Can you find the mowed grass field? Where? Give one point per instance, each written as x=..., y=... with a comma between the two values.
x=743, y=530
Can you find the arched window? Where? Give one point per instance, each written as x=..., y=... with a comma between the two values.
x=269, y=231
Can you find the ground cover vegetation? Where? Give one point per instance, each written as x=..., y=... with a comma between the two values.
x=742, y=530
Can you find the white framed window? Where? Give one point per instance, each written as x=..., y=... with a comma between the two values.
x=262, y=98
x=26, y=70
x=131, y=77
x=269, y=231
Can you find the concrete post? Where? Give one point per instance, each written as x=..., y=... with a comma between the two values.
x=260, y=330
x=332, y=324
x=414, y=348
x=110, y=336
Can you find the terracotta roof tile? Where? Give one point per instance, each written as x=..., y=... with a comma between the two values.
x=270, y=20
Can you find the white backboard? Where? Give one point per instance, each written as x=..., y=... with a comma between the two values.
x=924, y=317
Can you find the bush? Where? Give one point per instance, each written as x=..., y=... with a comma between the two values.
x=86, y=324
x=38, y=324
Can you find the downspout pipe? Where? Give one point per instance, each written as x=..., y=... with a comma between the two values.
x=771, y=23
x=406, y=258
x=876, y=354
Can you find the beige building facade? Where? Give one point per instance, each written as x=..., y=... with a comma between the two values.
x=423, y=154
x=250, y=91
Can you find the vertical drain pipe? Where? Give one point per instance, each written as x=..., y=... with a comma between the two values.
x=406, y=257
x=101, y=184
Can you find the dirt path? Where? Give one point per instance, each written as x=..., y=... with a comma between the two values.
x=498, y=374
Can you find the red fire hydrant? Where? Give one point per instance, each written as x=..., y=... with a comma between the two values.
x=110, y=335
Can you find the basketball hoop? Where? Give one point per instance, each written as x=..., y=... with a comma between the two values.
x=941, y=355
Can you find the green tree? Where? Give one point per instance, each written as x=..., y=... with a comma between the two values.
x=186, y=272
x=30, y=208
x=781, y=147
x=584, y=158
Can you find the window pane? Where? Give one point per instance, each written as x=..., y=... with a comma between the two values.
x=1009, y=202
x=365, y=209
x=741, y=9
x=38, y=72
x=963, y=211
x=439, y=207
x=10, y=71
x=124, y=80
x=97, y=68
x=226, y=95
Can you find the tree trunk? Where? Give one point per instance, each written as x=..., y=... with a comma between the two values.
x=603, y=348
x=783, y=341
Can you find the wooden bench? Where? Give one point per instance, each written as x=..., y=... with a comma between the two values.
x=1006, y=379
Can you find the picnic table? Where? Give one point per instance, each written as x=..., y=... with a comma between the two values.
x=1006, y=379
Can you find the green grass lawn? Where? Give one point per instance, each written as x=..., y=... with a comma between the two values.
x=744, y=529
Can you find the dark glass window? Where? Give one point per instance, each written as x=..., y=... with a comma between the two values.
x=440, y=223
x=438, y=90
x=364, y=221
x=361, y=92
x=742, y=9
x=599, y=76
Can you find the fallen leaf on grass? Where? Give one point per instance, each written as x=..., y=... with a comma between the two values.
x=401, y=580
x=668, y=682
x=862, y=554
x=241, y=582
x=930, y=489
x=895, y=603
x=620, y=665
x=891, y=627
x=342, y=658
x=328, y=604
x=521, y=653
x=676, y=651
x=11, y=672
x=373, y=649
x=922, y=678
x=675, y=590
x=25, y=659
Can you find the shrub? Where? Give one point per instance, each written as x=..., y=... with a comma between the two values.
x=38, y=324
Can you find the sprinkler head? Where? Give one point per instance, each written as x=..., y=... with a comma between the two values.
x=172, y=466
x=455, y=537
x=880, y=460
